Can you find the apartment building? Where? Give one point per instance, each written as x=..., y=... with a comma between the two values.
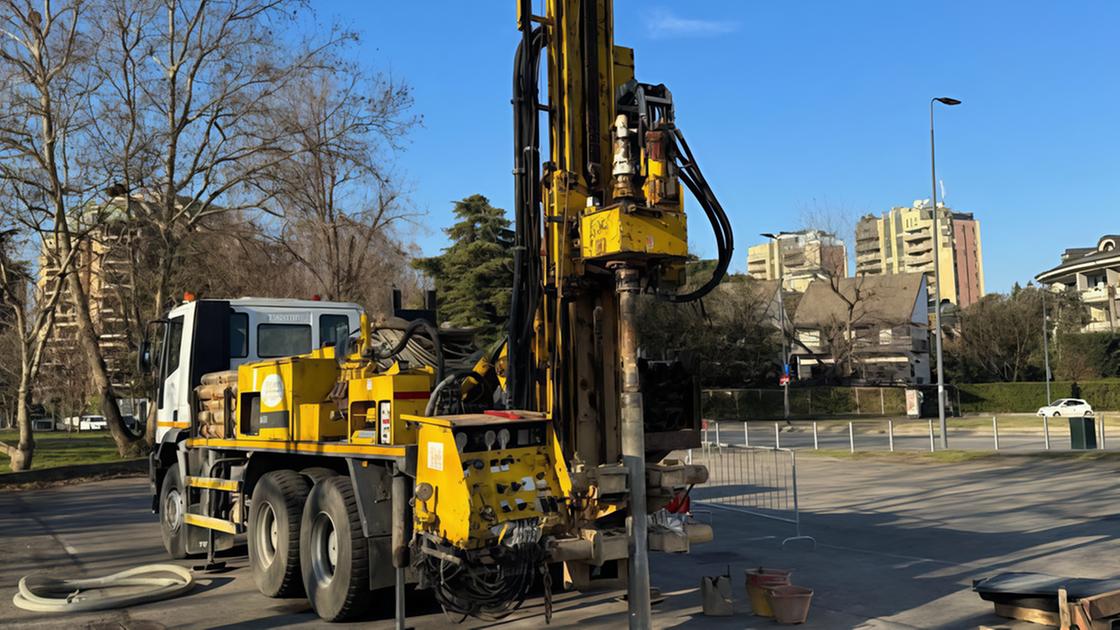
x=1094, y=272
x=798, y=258
x=902, y=241
x=102, y=264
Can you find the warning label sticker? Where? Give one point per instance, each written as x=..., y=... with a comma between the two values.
x=435, y=456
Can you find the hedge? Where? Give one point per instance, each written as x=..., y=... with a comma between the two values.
x=1028, y=397
x=752, y=404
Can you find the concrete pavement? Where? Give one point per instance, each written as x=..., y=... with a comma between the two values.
x=898, y=546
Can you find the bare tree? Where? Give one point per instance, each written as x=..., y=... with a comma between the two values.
x=840, y=333
x=337, y=198
x=31, y=310
x=198, y=83
x=45, y=122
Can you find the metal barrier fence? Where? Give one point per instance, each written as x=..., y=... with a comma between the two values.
x=754, y=480
x=877, y=434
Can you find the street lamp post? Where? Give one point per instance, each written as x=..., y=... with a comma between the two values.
x=782, y=316
x=944, y=100
x=1046, y=345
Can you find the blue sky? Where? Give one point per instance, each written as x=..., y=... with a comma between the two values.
x=796, y=105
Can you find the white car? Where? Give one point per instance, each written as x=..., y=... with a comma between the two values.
x=1066, y=407
x=93, y=423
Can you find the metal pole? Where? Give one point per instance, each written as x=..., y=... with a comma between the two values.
x=746, y=434
x=777, y=436
x=851, y=438
x=890, y=433
x=1046, y=345
x=796, y=508
x=995, y=432
x=937, y=286
x=402, y=520
x=1102, y=444
x=628, y=285
x=931, y=435
x=1046, y=431
x=717, y=434
x=782, y=316
x=815, y=445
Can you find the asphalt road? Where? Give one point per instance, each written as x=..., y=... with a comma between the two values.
x=898, y=546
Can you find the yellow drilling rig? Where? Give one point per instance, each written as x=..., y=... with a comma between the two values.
x=356, y=457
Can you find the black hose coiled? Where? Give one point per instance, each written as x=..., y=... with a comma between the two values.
x=431, y=331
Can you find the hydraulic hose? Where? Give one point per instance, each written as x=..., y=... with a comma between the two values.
x=694, y=180
x=525, y=298
x=433, y=334
x=48, y=594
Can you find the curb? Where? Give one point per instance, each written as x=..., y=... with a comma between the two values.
x=127, y=467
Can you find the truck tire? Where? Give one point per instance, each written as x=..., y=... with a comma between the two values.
x=315, y=473
x=172, y=507
x=334, y=556
x=273, y=535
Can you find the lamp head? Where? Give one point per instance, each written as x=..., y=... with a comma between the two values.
x=946, y=100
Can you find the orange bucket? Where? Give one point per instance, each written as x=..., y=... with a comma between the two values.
x=758, y=581
x=790, y=603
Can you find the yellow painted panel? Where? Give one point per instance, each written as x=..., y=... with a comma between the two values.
x=611, y=233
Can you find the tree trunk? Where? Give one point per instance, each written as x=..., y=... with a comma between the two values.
x=19, y=456
x=128, y=445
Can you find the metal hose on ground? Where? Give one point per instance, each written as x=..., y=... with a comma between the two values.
x=48, y=594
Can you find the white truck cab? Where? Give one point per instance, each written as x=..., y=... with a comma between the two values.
x=201, y=336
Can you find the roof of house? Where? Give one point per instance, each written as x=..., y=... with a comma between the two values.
x=1106, y=253
x=876, y=299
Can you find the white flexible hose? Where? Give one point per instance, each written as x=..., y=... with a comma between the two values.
x=47, y=594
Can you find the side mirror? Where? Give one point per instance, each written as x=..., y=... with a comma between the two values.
x=144, y=361
x=144, y=357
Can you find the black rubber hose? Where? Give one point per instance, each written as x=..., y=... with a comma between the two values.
x=694, y=180
x=525, y=296
x=433, y=334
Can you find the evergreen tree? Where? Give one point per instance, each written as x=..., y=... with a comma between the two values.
x=474, y=275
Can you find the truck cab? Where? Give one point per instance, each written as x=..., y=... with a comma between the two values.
x=211, y=335
x=201, y=336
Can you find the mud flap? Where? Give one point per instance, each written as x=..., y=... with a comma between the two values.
x=198, y=539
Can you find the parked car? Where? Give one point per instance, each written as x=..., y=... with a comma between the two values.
x=93, y=423
x=1066, y=407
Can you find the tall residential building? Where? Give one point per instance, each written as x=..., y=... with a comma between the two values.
x=102, y=264
x=901, y=241
x=1094, y=272
x=803, y=256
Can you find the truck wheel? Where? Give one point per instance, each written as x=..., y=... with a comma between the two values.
x=333, y=552
x=172, y=507
x=273, y=535
x=315, y=473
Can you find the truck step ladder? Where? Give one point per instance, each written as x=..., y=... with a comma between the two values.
x=212, y=523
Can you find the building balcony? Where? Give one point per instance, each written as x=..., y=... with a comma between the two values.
x=1099, y=293
x=1102, y=326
